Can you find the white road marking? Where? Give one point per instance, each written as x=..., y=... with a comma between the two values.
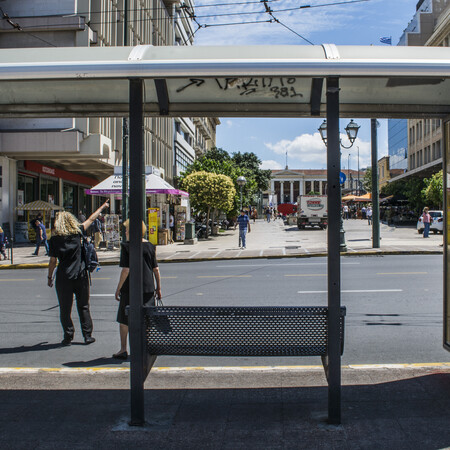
x=286, y=264
x=358, y=291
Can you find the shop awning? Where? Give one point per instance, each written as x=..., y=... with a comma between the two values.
x=153, y=185
x=39, y=205
x=200, y=81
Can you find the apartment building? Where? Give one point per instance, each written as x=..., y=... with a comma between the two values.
x=56, y=159
x=430, y=26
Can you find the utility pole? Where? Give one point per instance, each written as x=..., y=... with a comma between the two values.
x=375, y=194
x=125, y=135
x=359, y=186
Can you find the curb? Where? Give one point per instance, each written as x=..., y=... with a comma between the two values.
x=218, y=369
x=303, y=255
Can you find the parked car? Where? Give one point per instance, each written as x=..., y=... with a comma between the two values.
x=437, y=222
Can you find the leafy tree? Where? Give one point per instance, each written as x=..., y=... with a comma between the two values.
x=209, y=192
x=367, y=180
x=410, y=189
x=434, y=190
x=219, y=161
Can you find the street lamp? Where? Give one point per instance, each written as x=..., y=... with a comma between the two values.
x=241, y=182
x=352, y=131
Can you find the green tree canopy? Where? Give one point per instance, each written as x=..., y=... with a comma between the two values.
x=434, y=190
x=367, y=180
x=247, y=164
x=408, y=188
x=210, y=192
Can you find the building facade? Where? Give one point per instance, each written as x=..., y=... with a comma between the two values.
x=286, y=185
x=55, y=159
x=430, y=26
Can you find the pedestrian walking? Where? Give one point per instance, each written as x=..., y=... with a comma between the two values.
x=97, y=227
x=426, y=218
x=71, y=276
x=150, y=274
x=244, y=224
x=41, y=238
x=369, y=213
x=345, y=209
x=363, y=212
x=172, y=228
x=268, y=214
x=3, y=242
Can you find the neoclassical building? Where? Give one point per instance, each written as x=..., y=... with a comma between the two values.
x=287, y=184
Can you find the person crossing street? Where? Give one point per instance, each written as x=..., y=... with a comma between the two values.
x=244, y=224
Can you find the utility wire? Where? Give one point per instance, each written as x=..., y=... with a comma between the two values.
x=17, y=27
x=270, y=12
x=192, y=15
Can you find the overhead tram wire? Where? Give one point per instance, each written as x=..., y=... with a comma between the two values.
x=207, y=16
x=270, y=12
x=17, y=27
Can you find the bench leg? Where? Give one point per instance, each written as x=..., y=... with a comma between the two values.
x=325, y=365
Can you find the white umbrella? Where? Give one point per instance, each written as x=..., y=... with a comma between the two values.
x=153, y=185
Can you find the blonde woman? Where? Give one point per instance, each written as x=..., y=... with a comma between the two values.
x=71, y=276
x=150, y=274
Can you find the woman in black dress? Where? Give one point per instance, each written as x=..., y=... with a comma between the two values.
x=150, y=275
x=71, y=276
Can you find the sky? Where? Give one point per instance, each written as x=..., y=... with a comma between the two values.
x=355, y=23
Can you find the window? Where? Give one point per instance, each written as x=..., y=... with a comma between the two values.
x=317, y=186
x=28, y=185
x=49, y=190
x=307, y=187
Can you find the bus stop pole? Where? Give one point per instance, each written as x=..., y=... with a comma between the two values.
x=375, y=193
x=334, y=268
x=136, y=319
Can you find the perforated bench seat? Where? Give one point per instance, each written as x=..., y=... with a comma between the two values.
x=238, y=331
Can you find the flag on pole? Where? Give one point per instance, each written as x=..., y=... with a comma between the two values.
x=386, y=40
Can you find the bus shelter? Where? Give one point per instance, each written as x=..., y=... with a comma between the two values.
x=283, y=81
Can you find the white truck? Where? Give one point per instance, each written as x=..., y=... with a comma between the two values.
x=312, y=210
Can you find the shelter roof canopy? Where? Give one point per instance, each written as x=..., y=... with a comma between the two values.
x=271, y=81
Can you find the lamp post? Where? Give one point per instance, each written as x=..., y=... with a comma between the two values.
x=348, y=171
x=241, y=182
x=359, y=186
x=352, y=131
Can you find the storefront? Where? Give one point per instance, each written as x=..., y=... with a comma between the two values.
x=36, y=181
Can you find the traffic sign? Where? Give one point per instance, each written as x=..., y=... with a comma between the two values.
x=342, y=177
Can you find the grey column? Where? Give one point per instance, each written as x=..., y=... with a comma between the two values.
x=136, y=319
x=375, y=193
x=334, y=268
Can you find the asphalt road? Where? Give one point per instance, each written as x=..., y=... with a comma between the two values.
x=394, y=309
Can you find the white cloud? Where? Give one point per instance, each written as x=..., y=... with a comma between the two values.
x=308, y=151
x=305, y=22
x=270, y=164
x=229, y=123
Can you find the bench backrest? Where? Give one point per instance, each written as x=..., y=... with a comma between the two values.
x=238, y=331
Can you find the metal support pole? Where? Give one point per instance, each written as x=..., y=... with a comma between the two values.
x=136, y=319
x=125, y=135
x=359, y=184
x=334, y=268
x=124, y=174
x=375, y=193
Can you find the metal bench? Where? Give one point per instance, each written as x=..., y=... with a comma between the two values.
x=239, y=331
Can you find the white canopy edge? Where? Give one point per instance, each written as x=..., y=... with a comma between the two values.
x=188, y=61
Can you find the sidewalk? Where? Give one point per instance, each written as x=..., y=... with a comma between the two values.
x=269, y=240
x=389, y=406
x=272, y=408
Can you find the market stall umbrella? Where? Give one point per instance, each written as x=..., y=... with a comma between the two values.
x=39, y=205
x=153, y=185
